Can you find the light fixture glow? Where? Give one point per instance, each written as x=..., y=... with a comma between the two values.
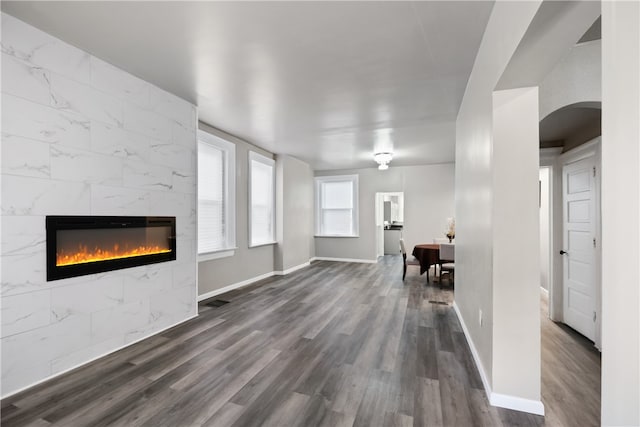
x=383, y=160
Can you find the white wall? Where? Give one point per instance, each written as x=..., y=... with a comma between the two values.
x=475, y=183
x=620, y=214
x=80, y=137
x=247, y=263
x=295, y=213
x=577, y=78
x=516, y=262
x=544, y=227
x=428, y=202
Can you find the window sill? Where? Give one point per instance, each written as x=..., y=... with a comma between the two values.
x=223, y=253
x=262, y=244
x=336, y=235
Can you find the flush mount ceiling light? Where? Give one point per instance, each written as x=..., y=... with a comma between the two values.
x=383, y=160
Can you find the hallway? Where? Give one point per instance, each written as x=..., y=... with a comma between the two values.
x=570, y=374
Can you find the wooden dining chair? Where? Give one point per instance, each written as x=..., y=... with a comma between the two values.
x=405, y=261
x=447, y=258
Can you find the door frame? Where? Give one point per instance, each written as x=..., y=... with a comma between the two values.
x=586, y=150
x=549, y=213
x=379, y=217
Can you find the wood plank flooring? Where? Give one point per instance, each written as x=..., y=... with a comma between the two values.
x=335, y=344
x=570, y=375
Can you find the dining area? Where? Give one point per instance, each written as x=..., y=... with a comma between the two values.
x=439, y=254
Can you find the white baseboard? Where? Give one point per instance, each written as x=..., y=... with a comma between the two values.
x=517, y=403
x=247, y=282
x=292, y=269
x=366, y=261
x=57, y=374
x=496, y=399
x=238, y=285
x=474, y=352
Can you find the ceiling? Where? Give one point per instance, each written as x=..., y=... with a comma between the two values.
x=572, y=122
x=327, y=82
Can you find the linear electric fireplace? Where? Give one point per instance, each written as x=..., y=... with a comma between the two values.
x=79, y=245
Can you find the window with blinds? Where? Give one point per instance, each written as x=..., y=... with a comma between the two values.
x=262, y=200
x=216, y=194
x=337, y=206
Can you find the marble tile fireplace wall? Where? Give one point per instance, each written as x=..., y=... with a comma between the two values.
x=81, y=137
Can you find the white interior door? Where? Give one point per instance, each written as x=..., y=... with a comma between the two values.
x=579, y=241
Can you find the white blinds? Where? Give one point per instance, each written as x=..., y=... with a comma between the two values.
x=262, y=200
x=336, y=210
x=211, y=189
x=337, y=205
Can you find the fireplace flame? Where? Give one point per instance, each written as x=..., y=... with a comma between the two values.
x=85, y=255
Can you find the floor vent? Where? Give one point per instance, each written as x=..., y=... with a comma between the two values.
x=216, y=303
x=438, y=302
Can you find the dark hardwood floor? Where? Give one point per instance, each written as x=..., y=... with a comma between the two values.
x=335, y=344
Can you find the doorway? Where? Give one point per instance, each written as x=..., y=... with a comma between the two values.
x=579, y=238
x=389, y=222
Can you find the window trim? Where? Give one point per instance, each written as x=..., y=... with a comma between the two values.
x=255, y=156
x=319, y=180
x=229, y=150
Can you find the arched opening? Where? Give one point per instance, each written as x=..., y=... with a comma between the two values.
x=571, y=126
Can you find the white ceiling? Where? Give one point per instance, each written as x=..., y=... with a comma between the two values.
x=327, y=82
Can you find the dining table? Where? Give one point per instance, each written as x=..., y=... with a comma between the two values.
x=427, y=254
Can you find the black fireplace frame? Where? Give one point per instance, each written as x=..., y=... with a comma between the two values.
x=55, y=223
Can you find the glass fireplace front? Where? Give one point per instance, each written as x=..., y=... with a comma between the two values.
x=80, y=245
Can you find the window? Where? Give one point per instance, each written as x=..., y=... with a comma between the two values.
x=216, y=197
x=262, y=221
x=337, y=206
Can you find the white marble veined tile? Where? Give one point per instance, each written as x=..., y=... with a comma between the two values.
x=25, y=157
x=184, y=275
x=119, y=320
x=184, y=181
x=67, y=94
x=140, y=284
x=71, y=164
x=107, y=200
x=171, y=106
x=45, y=344
x=186, y=227
x=36, y=196
x=186, y=250
x=22, y=273
x=118, y=142
x=21, y=313
x=172, y=155
x=23, y=235
x=138, y=174
x=38, y=48
x=113, y=80
x=147, y=122
x=73, y=359
x=87, y=297
x=170, y=203
x=31, y=120
x=173, y=302
x=25, y=80
x=183, y=135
